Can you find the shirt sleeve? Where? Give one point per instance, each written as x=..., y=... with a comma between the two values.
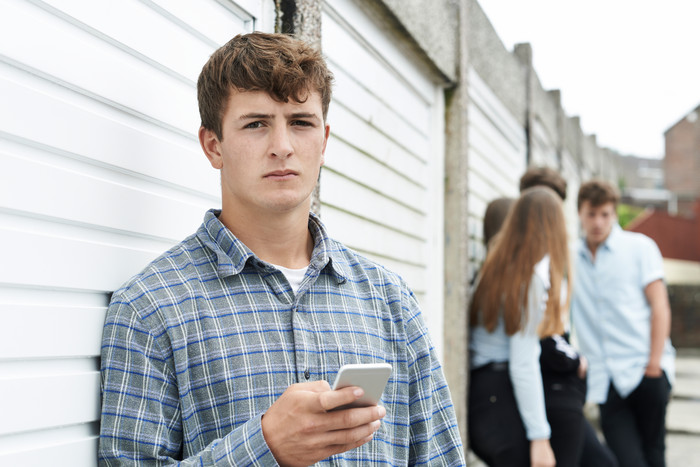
x=141, y=421
x=524, y=366
x=434, y=435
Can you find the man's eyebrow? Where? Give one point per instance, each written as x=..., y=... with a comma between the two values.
x=303, y=115
x=254, y=115
x=270, y=116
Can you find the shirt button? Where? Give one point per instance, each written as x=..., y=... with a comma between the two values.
x=307, y=375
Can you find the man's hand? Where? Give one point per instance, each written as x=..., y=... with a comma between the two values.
x=582, y=367
x=541, y=454
x=301, y=429
x=653, y=371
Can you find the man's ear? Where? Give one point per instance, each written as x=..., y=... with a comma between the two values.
x=211, y=146
x=326, y=134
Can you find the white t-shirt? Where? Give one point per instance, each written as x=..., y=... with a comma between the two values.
x=294, y=276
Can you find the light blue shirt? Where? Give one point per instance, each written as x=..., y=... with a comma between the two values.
x=522, y=351
x=610, y=312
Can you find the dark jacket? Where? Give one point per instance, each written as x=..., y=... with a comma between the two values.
x=559, y=362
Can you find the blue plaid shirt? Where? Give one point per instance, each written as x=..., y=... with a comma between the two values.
x=198, y=346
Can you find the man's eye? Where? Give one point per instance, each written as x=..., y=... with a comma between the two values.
x=254, y=125
x=301, y=123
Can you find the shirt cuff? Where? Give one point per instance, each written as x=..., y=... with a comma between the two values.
x=543, y=432
x=245, y=445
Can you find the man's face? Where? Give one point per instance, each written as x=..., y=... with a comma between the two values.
x=597, y=222
x=270, y=153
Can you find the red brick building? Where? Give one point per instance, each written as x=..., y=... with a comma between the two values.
x=682, y=161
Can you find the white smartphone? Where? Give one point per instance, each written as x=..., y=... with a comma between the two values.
x=371, y=377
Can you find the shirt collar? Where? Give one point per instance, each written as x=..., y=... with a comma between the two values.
x=611, y=242
x=542, y=270
x=232, y=255
x=614, y=239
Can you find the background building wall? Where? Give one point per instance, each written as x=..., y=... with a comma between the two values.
x=682, y=161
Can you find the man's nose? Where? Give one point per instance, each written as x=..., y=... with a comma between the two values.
x=280, y=143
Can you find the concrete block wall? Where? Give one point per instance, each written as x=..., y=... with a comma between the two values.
x=573, y=140
x=511, y=76
x=434, y=28
x=497, y=66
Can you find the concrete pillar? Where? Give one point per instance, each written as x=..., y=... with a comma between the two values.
x=524, y=53
x=303, y=19
x=457, y=272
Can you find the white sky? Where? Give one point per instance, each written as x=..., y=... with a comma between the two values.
x=629, y=68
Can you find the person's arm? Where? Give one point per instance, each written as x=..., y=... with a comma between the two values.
x=657, y=296
x=526, y=377
x=524, y=369
x=142, y=418
x=433, y=433
x=141, y=421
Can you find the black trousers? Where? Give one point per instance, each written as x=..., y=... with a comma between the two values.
x=635, y=427
x=595, y=453
x=496, y=432
x=567, y=426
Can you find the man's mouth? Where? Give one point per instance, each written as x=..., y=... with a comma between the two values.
x=281, y=174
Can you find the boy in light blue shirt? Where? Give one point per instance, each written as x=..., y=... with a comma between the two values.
x=622, y=318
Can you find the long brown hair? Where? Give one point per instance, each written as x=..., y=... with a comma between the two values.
x=534, y=227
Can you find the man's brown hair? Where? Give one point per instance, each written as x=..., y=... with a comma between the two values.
x=280, y=65
x=544, y=176
x=598, y=193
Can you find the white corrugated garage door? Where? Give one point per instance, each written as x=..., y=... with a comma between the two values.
x=497, y=157
x=100, y=171
x=387, y=150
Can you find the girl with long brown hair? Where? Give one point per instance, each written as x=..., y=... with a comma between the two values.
x=517, y=301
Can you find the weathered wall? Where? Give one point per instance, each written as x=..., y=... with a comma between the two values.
x=497, y=66
x=456, y=233
x=434, y=26
x=552, y=136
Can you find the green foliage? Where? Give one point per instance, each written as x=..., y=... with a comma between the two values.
x=626, y=213
x=622, y=183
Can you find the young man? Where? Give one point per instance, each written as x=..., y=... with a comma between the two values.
x=622, y=317
x=220, y=351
